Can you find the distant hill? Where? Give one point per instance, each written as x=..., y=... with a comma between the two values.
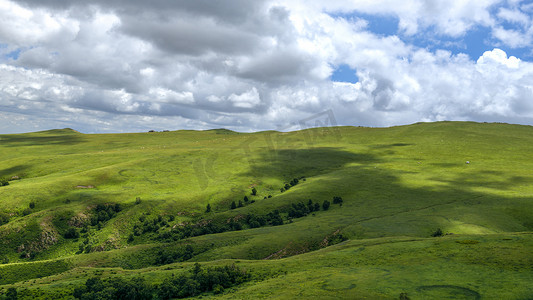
x=424, y=211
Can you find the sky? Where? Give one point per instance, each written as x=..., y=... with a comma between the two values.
x=131, y=65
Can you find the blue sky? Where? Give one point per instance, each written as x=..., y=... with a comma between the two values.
x=126, y=66
x=473, y=42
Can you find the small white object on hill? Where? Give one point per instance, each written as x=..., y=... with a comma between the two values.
x=467, y=162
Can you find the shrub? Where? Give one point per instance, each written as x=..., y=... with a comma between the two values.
x=233, y=205
x=4, y=182
x=246, y=199
x=254, y=191
x=437, y=233
x=71, y=233
x=294, y=182
x=11, y=294
x=4, y=218
x=208, y=208
x=137, y=200
x=337, y=200
x=32, y=205
x=325, y=205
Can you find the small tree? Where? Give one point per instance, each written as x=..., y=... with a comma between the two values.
x=246, y=199
x=71, y=233
x=233, y=205
x=437, y=233
x=208, y=208
x=325, y=205
x=240, y=203
x=11, y=294
x=294, y=182
x=254, y=191
x=32, y=205
x=138, y=200
x=4, y=218
x=4, y=182
x=337, y=200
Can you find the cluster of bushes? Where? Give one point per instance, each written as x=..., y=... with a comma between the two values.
x=114, y=288
x=104, y=212
x=273, y=218
x=199, y=280
x=98, y=216
x=171, y=255
x=85, y=246
x=292, y=183
x=204, y=227
x=150, y=225
x=299, y=210
x=241, y=203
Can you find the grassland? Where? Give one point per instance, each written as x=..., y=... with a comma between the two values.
x=399, y=185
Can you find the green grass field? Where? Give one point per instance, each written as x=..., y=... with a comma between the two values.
x=398, y=185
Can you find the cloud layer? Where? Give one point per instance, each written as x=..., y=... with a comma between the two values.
x=253, y=65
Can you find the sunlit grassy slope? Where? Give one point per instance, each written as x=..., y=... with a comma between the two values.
x=399, y=185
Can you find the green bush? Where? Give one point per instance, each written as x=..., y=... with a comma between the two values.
x=337, y=200
x=71, y=233
x=325, y=205
x=437, y=233
x=198, y=280
x=4, y=218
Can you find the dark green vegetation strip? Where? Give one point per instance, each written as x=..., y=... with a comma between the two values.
x=20, y=272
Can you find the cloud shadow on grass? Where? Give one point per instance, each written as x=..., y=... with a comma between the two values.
x=288, y=163
x=32, y=140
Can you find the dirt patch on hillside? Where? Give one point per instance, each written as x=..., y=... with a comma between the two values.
x=85, y=186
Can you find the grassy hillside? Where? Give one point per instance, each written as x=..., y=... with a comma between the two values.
x=134, y=205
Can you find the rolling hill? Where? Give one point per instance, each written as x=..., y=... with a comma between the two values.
x=425, y=211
